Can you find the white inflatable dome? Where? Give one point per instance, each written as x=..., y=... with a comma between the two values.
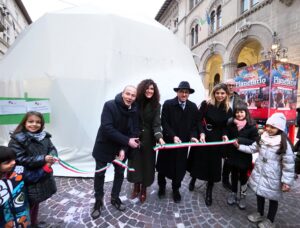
x=81, y=57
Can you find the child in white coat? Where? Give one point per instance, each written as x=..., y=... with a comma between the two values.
x=273, y=172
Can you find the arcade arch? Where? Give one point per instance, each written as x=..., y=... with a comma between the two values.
x=214, y=71
x=249, y=53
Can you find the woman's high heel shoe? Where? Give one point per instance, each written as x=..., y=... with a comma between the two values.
x=136, y=190
x=143, y=194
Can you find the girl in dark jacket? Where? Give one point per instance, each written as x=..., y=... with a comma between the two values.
x=243, y=128
x=150, y=133
x=34, y=149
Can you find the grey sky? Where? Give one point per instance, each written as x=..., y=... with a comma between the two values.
x=148, y=8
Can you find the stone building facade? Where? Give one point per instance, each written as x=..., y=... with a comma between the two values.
x=226, y=34
x=14, y=18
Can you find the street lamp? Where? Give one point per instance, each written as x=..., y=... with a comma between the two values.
x=276, y=52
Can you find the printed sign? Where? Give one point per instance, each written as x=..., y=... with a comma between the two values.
x=41, y=106
x=12, y=110
x=12, y=107
x=267, y=93
x=253, y=87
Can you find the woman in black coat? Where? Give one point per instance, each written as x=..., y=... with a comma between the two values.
x=242, y=128
x=150, y=133
x=205, y=163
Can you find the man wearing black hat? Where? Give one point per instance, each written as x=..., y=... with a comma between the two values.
x=179, y=125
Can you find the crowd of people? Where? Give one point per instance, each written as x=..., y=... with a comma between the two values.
x=131, y=125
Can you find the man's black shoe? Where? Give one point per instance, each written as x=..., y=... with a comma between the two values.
x=161, y=192
x=117, y=203
x=176, y=196
x=97, y=209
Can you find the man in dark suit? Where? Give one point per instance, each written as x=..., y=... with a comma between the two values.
x=116, y=136
x=179, y=125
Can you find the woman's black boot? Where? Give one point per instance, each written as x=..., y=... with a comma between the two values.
x=208, y=196
x=192, y=184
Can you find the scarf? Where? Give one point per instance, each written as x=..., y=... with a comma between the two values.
x=38, y=136
x=270, y=140
x=240, y=123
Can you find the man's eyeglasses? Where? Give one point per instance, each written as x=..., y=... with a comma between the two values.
x=231, y=85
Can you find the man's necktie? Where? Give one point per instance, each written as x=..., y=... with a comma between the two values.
x=182, y=105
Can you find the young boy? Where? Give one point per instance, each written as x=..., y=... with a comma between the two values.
x=14, y=207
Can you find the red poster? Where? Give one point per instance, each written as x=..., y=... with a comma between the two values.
x=267, y=93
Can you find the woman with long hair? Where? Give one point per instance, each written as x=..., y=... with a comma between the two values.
x=205, y=163
x=150, y=133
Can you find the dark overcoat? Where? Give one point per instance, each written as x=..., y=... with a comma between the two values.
x=118, y=124
x=205, y=163
x=236, y=100
x=150, y=132
x=247, y=135
x=31, y=154
x=298, y=122
x=176, y=122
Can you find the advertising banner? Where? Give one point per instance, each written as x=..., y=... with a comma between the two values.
x=269, y=87
x=284, y=89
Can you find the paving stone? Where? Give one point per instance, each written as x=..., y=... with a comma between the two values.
x=71, y=207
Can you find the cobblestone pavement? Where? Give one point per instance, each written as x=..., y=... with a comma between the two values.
x=72, y=204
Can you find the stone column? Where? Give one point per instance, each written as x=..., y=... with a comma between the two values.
x=204, y=75
x=228, y=70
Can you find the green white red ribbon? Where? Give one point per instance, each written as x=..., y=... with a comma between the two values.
x=73, y=169
x=191, y=144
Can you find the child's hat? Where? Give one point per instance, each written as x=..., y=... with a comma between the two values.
x=6, y=154
x=277, y=120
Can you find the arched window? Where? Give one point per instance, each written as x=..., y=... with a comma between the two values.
x=212, y=22
x=219, y=17
x=192, y=37
x=196, y=34
x=216, y=79
x=241, y=64
x=247, y=4
x=175, y=23
x=191, y=4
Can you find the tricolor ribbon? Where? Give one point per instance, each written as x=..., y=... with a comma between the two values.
x=76, y=170
x=191, y=144
x=73, y=169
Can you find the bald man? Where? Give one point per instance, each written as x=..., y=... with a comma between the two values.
x=234, y=97
x=118, y=133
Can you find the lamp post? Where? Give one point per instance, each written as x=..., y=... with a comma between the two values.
x=276, y=52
